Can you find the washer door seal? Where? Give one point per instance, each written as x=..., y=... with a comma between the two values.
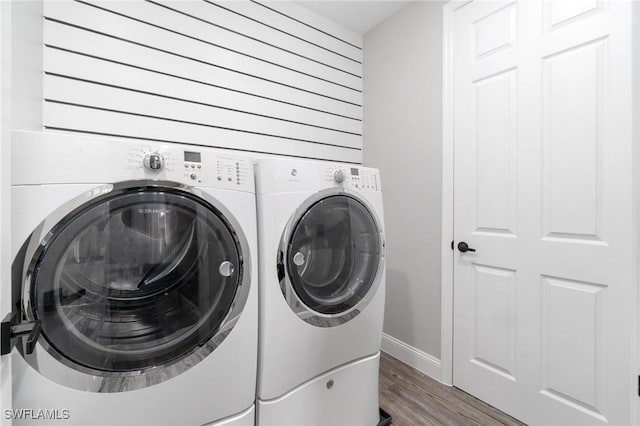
x=145, y=275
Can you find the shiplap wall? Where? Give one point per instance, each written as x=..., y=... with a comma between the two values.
x=267, y=77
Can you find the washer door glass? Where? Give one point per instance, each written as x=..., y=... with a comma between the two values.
x=135, y=280
x=334, y=254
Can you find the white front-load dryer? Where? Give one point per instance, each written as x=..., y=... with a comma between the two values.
x=322, y=288
x=138, y=262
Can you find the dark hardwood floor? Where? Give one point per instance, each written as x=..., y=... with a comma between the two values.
x=414, y=399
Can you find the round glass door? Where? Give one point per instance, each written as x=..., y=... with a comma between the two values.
x=333, y=255
x=135, y=279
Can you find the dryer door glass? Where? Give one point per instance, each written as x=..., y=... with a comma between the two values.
x=334, y=254
x=136, y=279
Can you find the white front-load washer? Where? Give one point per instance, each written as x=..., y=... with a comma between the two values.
x=322, y=288
x=138, y=262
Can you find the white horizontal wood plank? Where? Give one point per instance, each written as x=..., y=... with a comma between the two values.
x=88, y=43
x=191, y=18
x=311, y=18
x=87, y=16
x=87, y=68
x=320, y=59
x=64, y=117
x=307, y=24
x=253, y=19
x=95, y=95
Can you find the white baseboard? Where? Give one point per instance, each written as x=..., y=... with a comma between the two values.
x=417, y=359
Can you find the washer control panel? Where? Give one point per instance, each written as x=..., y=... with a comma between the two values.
x=357, y=178
x=191, y=166
x=229, y=169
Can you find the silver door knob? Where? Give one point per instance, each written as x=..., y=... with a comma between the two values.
x=153, y=161
x=338, y=176
x=226, y=268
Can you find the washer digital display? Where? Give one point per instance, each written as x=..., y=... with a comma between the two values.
x=192, y=156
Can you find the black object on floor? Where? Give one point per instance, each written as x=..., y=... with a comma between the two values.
x=385, y=418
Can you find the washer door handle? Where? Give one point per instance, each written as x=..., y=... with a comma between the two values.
x=298, y=259
x=226, y=269
x=13, y=329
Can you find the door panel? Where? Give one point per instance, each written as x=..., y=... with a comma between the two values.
x=495, y=158
x=572, y=346
x=494, y=320
x=543, y=192
x=559, y=12
x=573, y=142
x=495, y=32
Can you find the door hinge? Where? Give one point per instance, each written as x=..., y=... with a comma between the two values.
x=638, y=385
x=11, y=329
x=451, y=244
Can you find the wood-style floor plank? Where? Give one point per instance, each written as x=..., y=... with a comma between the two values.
x=413, y=399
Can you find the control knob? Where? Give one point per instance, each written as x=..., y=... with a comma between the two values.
x=338, y=176
x=153, y=161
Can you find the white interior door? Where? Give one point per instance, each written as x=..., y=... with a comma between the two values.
x=544, y=308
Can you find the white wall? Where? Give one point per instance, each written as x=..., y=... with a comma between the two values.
x=26, y=64
x=5, y=176
x=402, y=137
x=20, y=107
x=636, y=145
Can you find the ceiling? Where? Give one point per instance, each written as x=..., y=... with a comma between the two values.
x=360, y=16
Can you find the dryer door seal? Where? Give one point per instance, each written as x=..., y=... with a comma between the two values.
x=333, y=258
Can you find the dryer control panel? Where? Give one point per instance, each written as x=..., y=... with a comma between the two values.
x=293, y=175
x=356, y=178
